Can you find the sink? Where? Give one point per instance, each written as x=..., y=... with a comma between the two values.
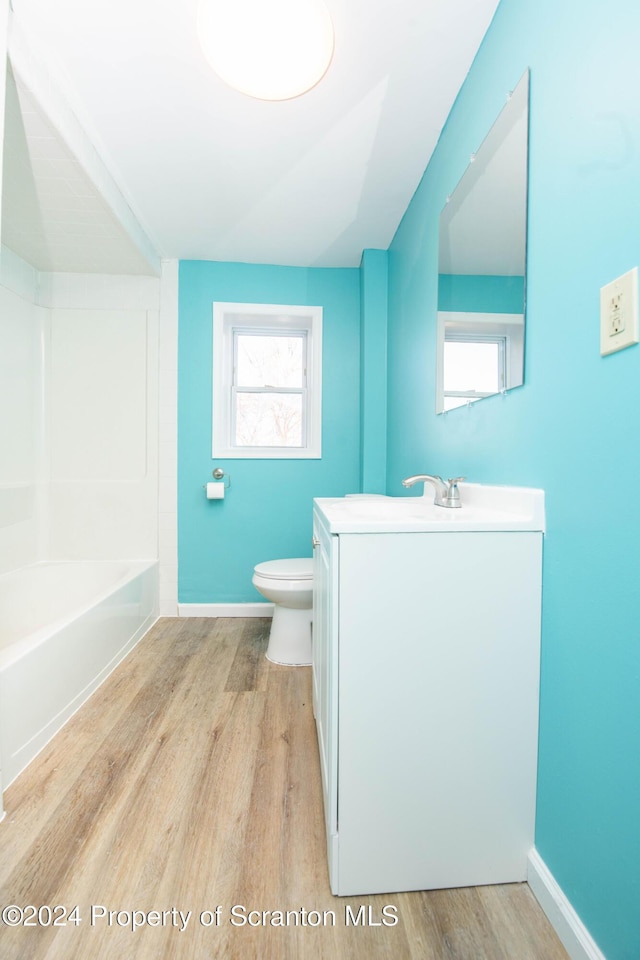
x=382, y=508
x=484, y=507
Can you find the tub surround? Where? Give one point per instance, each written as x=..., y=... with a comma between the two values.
x=79, y=416
x=4, y=23
x=79, y=423
x=21, y=413
x=79, y=482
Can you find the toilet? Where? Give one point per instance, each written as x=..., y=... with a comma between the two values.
x=289, y=585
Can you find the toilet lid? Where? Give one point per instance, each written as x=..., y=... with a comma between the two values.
x=299, y=569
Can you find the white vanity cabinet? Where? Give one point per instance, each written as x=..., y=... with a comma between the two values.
x=425, y=689
x=325, y=674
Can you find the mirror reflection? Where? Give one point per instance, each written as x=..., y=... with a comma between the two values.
x=481, y=266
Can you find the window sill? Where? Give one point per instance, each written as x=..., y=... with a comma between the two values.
x=266, y=453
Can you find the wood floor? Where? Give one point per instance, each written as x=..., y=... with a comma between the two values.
x=190, y=782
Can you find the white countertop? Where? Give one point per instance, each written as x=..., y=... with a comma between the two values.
x=484, y=508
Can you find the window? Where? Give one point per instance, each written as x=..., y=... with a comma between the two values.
x=478, y=355
x=267, y=396
x=474, y=367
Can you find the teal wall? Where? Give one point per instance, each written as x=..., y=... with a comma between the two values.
x=470, y=293
x=374, y=282
x=266, y=513
x=572, y=429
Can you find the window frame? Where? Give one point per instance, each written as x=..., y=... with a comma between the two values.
x=467, y=325
x=469, y=396
x=231, y=319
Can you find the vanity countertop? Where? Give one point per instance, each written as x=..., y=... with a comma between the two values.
x=485, y=508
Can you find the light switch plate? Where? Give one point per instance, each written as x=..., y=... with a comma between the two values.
x=619, y=313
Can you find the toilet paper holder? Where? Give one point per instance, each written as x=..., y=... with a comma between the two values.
x=219, y=474
x=215, y=491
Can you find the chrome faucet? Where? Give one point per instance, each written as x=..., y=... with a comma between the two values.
x=446, y=492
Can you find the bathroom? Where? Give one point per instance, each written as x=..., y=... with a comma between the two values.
x=568, y=430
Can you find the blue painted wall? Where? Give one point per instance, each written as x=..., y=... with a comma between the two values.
x=266, y=514
x=572, y=429
x=374, y=282
x=470, y=293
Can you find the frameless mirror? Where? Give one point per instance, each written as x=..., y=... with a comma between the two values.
x=481, y=266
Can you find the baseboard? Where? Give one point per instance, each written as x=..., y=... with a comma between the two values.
x=573, y=934
x=225, y=609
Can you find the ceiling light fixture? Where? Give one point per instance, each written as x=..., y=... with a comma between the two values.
x=269, y=49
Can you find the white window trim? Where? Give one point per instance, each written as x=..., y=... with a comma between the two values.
x=501, y=342
x=228, y=317
x=452, y=322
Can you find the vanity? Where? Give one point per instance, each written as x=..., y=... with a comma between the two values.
x=426, y=636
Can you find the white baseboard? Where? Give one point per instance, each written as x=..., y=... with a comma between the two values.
x=573, y=934
x=225, y=609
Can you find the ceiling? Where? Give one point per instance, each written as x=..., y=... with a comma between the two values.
x=213, y=174
x=53, y=216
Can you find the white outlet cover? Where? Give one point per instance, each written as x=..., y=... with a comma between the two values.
x=619, y=326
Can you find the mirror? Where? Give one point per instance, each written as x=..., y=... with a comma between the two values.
x=481, y=266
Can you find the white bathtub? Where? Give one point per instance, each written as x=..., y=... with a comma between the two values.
x=63, y=629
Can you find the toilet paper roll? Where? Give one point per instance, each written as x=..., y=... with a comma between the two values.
x=215, y=490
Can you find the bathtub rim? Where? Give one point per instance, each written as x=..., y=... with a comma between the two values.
x=17, y=649
x=24, y=730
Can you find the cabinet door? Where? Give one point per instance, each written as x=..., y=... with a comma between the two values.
x=319, y=620
x=439, y=651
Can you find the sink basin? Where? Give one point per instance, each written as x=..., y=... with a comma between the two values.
x=383, y=508
x=484, y=508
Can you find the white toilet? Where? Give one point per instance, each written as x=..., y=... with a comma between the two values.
x=289, y=585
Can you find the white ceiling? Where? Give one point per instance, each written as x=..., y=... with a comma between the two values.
x=52, y=214
x=213, y=174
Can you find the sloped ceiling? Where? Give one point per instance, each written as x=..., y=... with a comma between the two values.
x=53, y=215
x=213, y=174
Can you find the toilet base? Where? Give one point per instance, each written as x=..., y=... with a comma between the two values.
x=290, y=637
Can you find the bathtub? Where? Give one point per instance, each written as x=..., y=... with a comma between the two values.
x=63, y=629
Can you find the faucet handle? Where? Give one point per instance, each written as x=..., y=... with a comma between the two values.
x=453, y=494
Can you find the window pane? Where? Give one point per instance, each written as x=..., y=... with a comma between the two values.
x=269, y=361
x=471, y=366
x=268, y=420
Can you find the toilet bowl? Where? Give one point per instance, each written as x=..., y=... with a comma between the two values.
x=288, y=584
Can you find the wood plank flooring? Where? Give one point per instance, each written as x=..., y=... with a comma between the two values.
x=190, y=782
